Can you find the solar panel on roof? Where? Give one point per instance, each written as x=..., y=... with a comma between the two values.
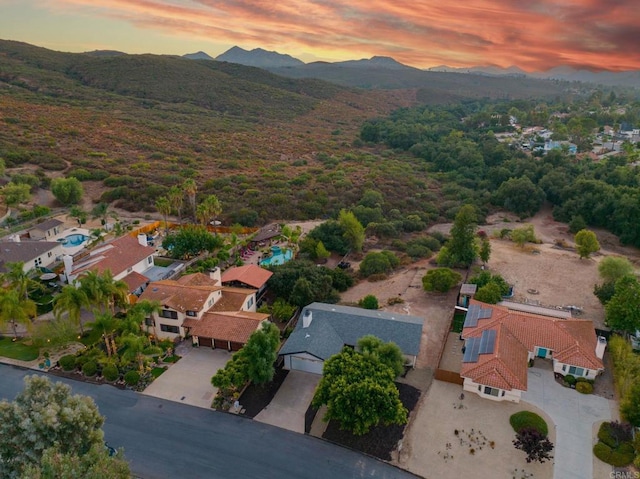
x=472, y=349
x=485, y=313
x=471, y=319
x=487, y=341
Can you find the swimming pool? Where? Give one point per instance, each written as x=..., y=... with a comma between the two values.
x=73, y=240
x=278, y=256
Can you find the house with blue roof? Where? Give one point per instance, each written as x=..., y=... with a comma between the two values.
x=324, y=329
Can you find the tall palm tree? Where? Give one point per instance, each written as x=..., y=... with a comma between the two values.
x=71, y=300
x=209, y=208
x=145, y=309
x=114, y=292
x=176, y=198
x=15, y=309
x=90, y=284
x=106, y=324
x=137, y=347
x=163, y=205
x=19, y=280
x=190, y=189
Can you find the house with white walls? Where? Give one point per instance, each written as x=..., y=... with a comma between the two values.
x=500, y=342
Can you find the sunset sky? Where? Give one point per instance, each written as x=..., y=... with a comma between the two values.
x=534, y=35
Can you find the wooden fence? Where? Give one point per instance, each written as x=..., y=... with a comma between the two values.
x=448, y=376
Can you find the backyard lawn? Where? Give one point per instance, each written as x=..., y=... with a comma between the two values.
x=18, y=350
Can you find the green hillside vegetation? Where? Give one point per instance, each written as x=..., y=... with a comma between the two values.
x=130, y=127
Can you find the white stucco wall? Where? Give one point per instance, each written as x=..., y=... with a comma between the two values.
x=472, y=387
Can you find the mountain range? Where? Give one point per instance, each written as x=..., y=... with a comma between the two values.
x=287, y=65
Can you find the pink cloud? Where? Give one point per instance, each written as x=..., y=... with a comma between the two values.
x=535, y=35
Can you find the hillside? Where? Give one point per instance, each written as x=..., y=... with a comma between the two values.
x=132, y=126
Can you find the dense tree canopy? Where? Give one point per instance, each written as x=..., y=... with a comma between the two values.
x=359, y=392
x=623, y=309
x=67, y=191
x=191, y=241
x=46, y=415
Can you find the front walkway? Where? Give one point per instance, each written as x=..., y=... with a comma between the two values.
x=289, y=405
x=189, y=380
x=574, y=415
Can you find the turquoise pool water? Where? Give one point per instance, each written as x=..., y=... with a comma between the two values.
x=278, y=256
x=73, y=240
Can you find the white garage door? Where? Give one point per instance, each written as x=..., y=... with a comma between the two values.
x=308, y=365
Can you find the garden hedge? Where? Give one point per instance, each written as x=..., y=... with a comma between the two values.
x=527, y=419
x=584, y=387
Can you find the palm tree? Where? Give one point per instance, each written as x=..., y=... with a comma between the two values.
x=191, y=188
x=137, y=347
x=15, y=309
x=145, y=309
x=114, y=292
x=106, y=324
x=209, y=208
x=90, y=284
x=163, y=205
x=19, y=280
x=176, y=198
x=71, y=300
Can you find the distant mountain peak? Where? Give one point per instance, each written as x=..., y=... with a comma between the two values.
x=198, y=56
x=258, y=57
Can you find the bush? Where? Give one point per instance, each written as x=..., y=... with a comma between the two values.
x=614, y=433
x=132, y=378
x=620, y=458
x=528, y=420
x=68, y=362
x=440, y=279
x=584, y=387
x=90, y=368
x=570, y=380
x=110, y=372
x=369, y=302
x=602, y=452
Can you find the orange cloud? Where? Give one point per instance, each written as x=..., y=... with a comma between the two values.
x=535, y=35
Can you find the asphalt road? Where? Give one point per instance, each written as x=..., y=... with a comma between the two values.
x=167, y=440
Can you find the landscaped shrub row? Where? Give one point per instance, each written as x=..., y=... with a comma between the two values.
x=614, y=444
x=527, y=419
x=132, y=378
x=67, y=363
x=584, y=387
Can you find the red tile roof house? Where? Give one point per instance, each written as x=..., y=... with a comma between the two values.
x=126, y=257
x=499, y=342
x=248, y=276
x=198, y=305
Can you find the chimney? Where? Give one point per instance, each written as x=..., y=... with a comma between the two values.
x=601, y=346
x=215, y=275
x=142, y=239
x=68, y=266
x=306, y=318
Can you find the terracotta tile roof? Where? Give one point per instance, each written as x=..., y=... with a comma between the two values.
x=134, y=280
x=180, y=296
x=116, y=256
x=505, y=368
x=572, y=341
x=231, y=326
x=197, y=279
x=249, y=274
x=233, y=299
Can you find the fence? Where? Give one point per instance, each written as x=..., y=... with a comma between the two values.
x=448, y=376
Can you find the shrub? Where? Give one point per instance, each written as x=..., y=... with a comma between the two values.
x=614, y=433
x=132, y=378
x=369, y=302
x=68, y=362
x=602, y=452
x=528, y=420
x=619, y=458
x=90, y=368
x=570, y=380
x=440, y=279
x=584, y=387
x=110, y=372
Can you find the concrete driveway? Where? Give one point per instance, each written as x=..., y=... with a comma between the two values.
x=189, y=380
x=574, y=415
x=290, y=403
